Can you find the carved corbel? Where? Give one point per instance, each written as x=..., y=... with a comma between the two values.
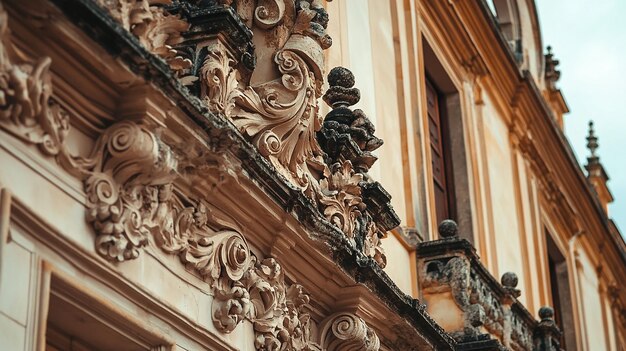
x=130, y=181
x=345, y=331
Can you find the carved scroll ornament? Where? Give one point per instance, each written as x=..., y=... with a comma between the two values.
x=347, y=332
x=279, y=115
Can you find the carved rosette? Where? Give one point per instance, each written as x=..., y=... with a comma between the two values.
x=348, y=332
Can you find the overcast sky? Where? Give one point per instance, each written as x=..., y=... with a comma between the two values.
x=588, y=37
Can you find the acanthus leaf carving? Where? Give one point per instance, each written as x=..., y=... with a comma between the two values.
x=276, y=309
x=219, y=79
x=281, y=117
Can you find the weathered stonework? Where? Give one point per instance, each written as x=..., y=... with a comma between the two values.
x=450, y=267
x=134, y=182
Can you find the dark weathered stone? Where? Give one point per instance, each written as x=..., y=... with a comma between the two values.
x=509, y=280
x=547, y=335
x=448, y=228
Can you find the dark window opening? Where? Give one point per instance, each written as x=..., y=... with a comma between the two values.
x=447, y=146
x=440, y=154
x=561, y=296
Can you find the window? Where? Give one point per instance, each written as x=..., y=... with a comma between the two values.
x=439, y=148
x=79, y=322
x=561, y=297
x=444, y=122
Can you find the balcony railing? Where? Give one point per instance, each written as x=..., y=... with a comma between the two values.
x=477, y=310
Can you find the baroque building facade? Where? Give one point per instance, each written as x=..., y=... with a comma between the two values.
x=296, y=175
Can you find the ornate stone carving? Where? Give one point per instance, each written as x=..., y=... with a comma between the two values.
x=26, y=108
x=341, y=197
x=157, y=31
x=281, y=115
x=219, y=79
x=372, y=245
x=348, y=136
x=129, y=190
x=347, y=332
x=276, y=309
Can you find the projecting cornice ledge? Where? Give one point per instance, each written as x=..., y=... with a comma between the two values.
x=137, y=181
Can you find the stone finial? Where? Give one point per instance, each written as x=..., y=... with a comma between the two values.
x=448, y=228
x=595, y=170
x=341, y=92
x=552, y=74
x=509, y=280
x=592, y=144
x=546, y=336
x=546, y=313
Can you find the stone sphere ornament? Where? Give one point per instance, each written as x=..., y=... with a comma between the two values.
x=509, y=280
x=546, y=312
x=448, y=228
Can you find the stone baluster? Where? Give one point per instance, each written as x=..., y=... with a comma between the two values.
x=547, y=334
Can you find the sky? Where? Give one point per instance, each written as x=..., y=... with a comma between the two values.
x=588, y=37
